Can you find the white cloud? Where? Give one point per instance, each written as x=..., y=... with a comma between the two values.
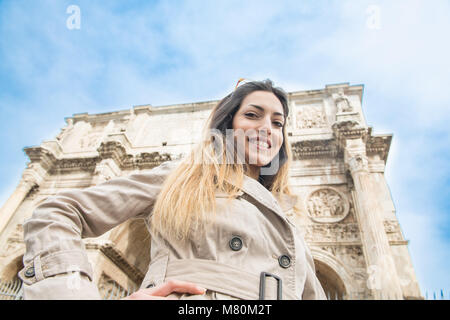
x=407, y=56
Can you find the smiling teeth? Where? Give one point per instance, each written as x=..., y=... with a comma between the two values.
x=260, y=143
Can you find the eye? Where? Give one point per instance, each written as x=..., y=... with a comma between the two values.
x=279, y=124
x=252, y=115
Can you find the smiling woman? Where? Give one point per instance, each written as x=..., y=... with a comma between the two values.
x=218, y=227
x=260, y=119
x=238, y=123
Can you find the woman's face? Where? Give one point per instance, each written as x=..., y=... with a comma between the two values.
x=258, y=127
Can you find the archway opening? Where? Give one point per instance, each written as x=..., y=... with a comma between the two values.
x=331, y=283
x=133, y=240
x=12, y=269
x=10, y=284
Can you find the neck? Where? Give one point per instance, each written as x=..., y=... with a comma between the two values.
x=252, y=171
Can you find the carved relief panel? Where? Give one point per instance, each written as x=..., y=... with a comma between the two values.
x=327, y=205
x=310, y=116
x=332, y=232
x=349, y=255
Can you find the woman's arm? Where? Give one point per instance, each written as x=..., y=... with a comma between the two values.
x=53, y=235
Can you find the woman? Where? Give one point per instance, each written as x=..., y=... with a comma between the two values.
x=217, y=218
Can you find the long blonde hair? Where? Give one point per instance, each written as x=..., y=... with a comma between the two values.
x=187, y=198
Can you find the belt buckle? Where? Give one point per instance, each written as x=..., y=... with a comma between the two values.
x=262, y=285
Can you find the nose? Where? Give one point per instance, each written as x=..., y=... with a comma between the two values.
x=266, y=126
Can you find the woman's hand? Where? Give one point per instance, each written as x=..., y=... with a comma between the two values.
x=162, y=291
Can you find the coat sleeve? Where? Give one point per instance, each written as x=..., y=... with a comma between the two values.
x=55, y=262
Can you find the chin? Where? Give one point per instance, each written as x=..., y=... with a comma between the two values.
x=261, y=161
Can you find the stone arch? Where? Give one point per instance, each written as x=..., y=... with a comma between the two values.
x=333, y=275
x=331, y=283
x=139, y=240
x=132, y=239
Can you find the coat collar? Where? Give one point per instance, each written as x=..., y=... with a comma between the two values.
x=280, y=204
x=256, y=190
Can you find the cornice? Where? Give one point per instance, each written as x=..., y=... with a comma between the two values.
x=349, y=129
x=75, y=164
x=115, y=150
x=143, y=109
x=185, y=107
x=309, y=149
x=333, y=148
x=107, y=150
x=327, y=91
x=99, y=117
x=379, y=144
x=41, y=155
x=146, y=160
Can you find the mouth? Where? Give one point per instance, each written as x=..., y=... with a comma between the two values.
x=261, y=143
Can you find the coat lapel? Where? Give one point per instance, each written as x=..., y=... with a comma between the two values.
x=287, y=202
x=258, y=192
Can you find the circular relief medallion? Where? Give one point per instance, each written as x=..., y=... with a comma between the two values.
x=327, y=205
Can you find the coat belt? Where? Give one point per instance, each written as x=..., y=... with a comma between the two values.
x=224, y=278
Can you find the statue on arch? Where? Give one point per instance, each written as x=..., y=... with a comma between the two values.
x=342, y=102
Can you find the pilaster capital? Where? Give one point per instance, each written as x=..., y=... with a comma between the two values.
x=355, y=156
x=32, y=176
x=356, y=163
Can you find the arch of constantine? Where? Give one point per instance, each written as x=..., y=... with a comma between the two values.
x=347, y=218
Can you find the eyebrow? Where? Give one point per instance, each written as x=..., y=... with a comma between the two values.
x=262, y=109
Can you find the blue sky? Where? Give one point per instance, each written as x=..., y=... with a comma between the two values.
x=130, y=53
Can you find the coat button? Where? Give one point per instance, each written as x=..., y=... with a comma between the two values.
x=29, y=272
x=236, y=243
x=284, y=261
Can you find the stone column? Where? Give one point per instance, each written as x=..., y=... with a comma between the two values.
x=32, y=177
x=383, y=280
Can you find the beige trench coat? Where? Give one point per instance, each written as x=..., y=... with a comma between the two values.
x=250, y=235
